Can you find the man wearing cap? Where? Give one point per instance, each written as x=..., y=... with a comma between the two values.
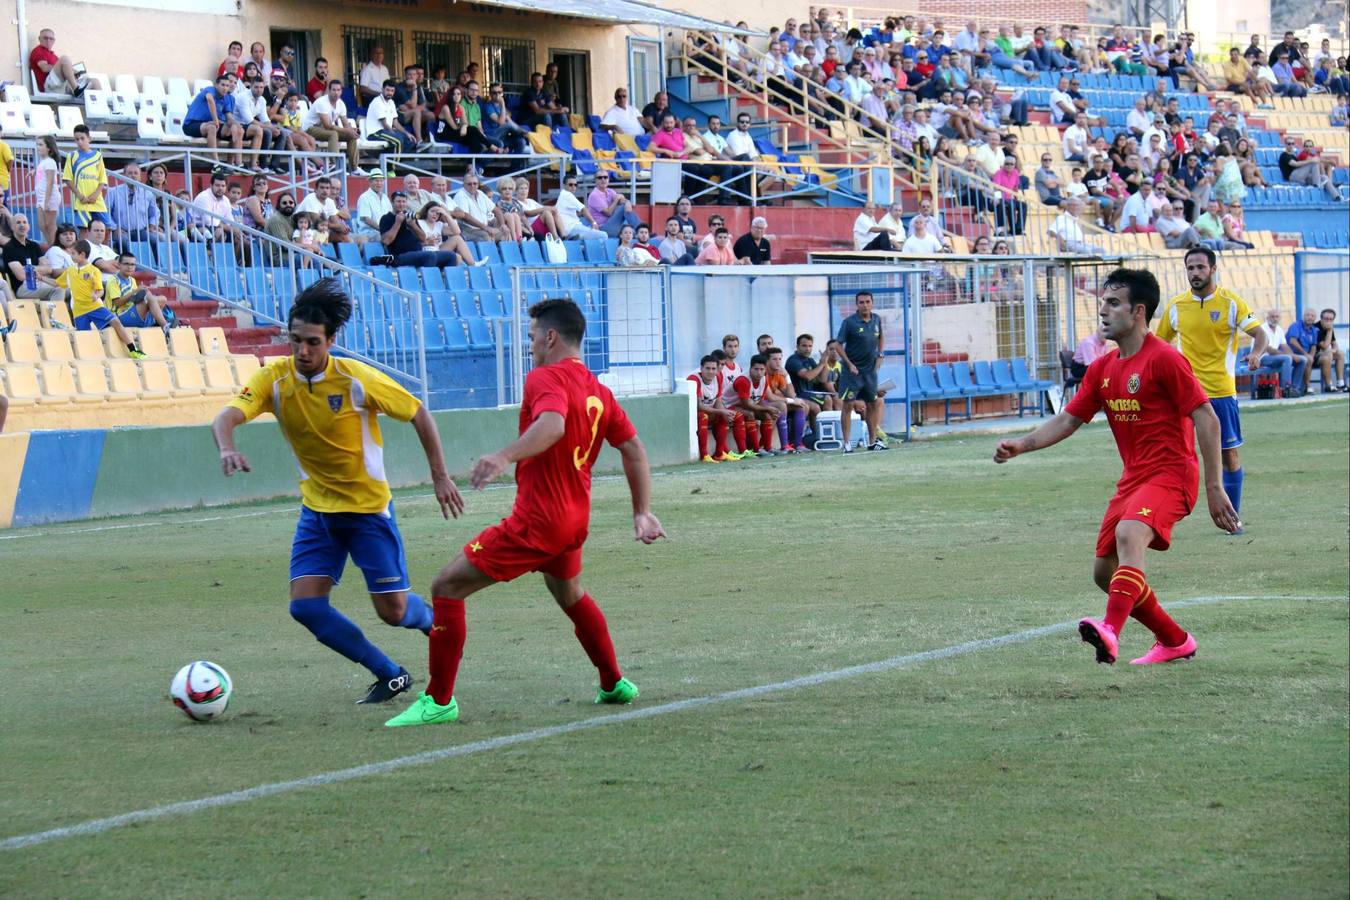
x=371, y=207
x=403, y=238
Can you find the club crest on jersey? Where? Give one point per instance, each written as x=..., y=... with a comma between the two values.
x=1214, y=315
x=335, y=402
x=1133, y=384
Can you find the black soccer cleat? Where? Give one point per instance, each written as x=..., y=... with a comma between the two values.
x=388, y=688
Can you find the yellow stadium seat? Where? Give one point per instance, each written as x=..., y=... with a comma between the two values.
x=583, y=140
x=152, y=342
x=244, y=367
x=625, y=142
x=157, y=377
x=26, y=314
x=187, y=374
x=56, y=345
x=22, y=347
x=88, y=345
x=58, y=382
x=125, y=377
x=212, y=341
x=21, y=384
x=58, y=314
x=183, y=343
x=112, y=347
x=543, y=144
x=92, y=380
x=219, y=375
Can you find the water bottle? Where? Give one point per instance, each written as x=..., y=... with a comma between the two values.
x=215, y=345
x=29, y=276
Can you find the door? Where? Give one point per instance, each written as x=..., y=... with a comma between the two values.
x=574, y=79
x=306, y=46
x=644, y=71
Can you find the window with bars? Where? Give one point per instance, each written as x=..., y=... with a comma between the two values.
x=357, y=43
x=434, y=49
x=508, y=61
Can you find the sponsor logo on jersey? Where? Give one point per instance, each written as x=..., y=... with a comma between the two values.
x=1123, y=404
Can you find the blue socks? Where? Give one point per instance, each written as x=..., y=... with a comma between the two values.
x=417, y=615
x=1232, y=486
x=337, y=632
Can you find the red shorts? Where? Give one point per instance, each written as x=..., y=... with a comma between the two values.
x=1159, y=506
x=511, y=548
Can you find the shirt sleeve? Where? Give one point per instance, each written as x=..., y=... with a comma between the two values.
x=1165, y=331
x=1246, y=319
x=544, y=392
x=255, y=397
x=1087, y=400
x=742, y=387
x=384, y=394
x=620, y=429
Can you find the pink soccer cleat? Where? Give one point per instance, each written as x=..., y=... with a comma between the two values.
x=1100, y=637
x=1161, y=653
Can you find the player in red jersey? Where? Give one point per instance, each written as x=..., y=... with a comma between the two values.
x=564, y=416
x=1151, y=398
x=755, y=401
x=712, y=412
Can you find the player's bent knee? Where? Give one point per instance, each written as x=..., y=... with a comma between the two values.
x=391, y=608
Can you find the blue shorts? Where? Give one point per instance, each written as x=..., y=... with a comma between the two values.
x=95, y=320
x=1230, y=429
x=133, y=319
x=83, y=217
x=323, y=541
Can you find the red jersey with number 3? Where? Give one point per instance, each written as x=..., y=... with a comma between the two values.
x=553, y=489
x=1148, y=400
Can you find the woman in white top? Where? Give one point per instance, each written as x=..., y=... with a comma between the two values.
x=432, y=219
x=540, y=219
x=58, y=254
x=47, y=186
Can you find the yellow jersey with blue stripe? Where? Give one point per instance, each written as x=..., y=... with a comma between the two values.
x=330, y=421
x=1209, y=328
x=85, y=171
x=82, y=282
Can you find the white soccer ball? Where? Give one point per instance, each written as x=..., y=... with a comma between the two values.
x=202, y=690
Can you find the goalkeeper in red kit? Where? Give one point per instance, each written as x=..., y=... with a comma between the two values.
x=564, y=416
x=1157, y=412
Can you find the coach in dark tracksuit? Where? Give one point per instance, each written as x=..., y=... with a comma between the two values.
x=861, y=340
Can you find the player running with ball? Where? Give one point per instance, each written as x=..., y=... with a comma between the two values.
x=327, y=409
x=564, y=416
x=1151, y=399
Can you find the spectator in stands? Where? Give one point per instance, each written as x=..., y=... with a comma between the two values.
x=1063, y=109
x=701, y=163
x=753, y=248
x=211, y=116
x=291, y=120
x=1010, y=213
x=499, y=126
x=1286, y=82
x=475, y=210
x=18, y=253
x=868, y=233
x=1302, y=339
x=570, y=211
x=384, y=124
x=1076, y=138
x=370, y=83
x=323, y=206
x=1176, y=233
x=53, y=74
x=1087, y=351
x=1138, y=120
x=403, y=238
x=441, y=232
x=676, y=248
x=411, y=99
x=371, y=208
x=1328, y=78
x=327, y=122
x=510, y=212
x=920, y=241
x=252, y=112
x=609, y=210
x=133, y=305
x=718, y=251
x=317, y=85
x=1328, y=355
x=1308, y=167
x=85, y=283
x=1068, y=233
x=1136, y=217
x=1290, y=364
x=256, y=207
x=1046, y=182
x=456, y=116
x=1043, y=55
x=47, y=186
x=257, y=53
x=622, y=117
x=134, y=212
x=538, y=107
x=233, y=62
x=1234, y=228
x=216, y=215
x=419, y=197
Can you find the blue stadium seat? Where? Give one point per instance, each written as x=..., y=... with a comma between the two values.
x=595, y=250
x=532, y=253
x=611, y=249
x=466, y=301
x=511, y=253
x=546, y=281
x=491, y=302
x=456, y=337
x=480, y=279
x=432, y=279
x=501, y=277
x=917, y=390
x=487, y=250
x=576, y=253
x=408, y=278
x=443, y=305
x=480, y=333
x=456, y=278
x=372, y=249
x=350, y=255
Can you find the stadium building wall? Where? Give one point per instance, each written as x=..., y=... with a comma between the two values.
x=61, y=476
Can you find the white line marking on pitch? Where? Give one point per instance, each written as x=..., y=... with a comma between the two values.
x=186, y=807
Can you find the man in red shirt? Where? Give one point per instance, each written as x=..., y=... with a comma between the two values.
x=565, y=414
x=1152, y=399
x=52, y=73
x=756, y=401
x=318, y=85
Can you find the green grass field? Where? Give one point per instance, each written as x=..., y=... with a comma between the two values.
x=1013, y=769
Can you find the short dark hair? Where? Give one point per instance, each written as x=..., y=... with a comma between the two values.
x=124, y=256
x=758, y=360
x=1140, y=286
x=772, y=350
x=1207, y=253
x=1328, y=310
x=709, y=359
x=81, y=129
x=322, y=303
x=83, y=247
x=389, y=82
x=321, y=59
x=805, y=337
x=670, y=219
x=333, y=81
x=718, y=355
x=858, y=296
x=563, y=316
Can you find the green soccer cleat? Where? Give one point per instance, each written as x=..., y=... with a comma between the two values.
x=624, y=691
x=426, y=711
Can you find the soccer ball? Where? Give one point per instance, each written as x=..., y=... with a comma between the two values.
x=202, y=690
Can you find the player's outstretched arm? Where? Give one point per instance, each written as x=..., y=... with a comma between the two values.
x=1207, y=436
x=1260, y=344
x=222, y=429
x=646, y=527
x=447, y=495
x=544, y=432
x=1049, y=434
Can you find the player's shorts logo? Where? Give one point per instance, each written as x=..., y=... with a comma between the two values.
x=335, y=402
x=1133, y=384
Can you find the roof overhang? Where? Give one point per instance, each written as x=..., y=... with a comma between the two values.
x=617, y=12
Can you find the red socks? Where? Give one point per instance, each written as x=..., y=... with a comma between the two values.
x=751, y=430
x=1126, y=590
x=766, y=429
x=738, y=431
x=446, y=646
x=1130, y=595
x=702, y=435
x=593, y=634
x=1153, y=617
x=719, y=427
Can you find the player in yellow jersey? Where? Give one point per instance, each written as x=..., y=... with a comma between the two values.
x=1209, y=320
x=328, y=412
x=87, y=310
x=87, y=178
